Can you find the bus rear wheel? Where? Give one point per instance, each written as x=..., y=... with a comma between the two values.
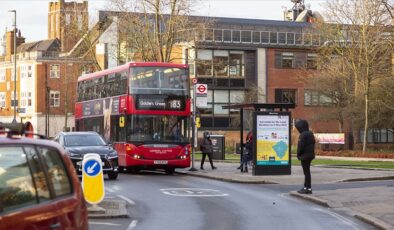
x=170, y=171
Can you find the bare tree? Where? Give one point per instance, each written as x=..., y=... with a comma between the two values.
x=358, y=36
x=149, y=30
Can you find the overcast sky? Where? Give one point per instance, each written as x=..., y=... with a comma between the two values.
x=32, y=14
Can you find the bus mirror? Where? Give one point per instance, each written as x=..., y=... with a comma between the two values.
x=121, y=121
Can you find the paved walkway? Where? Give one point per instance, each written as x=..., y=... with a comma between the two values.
x=374, y=205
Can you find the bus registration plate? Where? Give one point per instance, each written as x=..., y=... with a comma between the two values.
x=160, y=162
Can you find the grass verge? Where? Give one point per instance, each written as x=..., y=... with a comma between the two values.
x=234, y=158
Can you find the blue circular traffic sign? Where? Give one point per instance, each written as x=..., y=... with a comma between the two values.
x=92, y=167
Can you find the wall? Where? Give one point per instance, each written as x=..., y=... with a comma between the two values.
x=292, y=78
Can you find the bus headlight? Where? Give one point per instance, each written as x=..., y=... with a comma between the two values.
x=136, y=156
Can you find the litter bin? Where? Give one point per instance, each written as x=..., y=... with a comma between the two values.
x=218, y=147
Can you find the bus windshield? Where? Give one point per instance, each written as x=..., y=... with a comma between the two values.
x=158, y=80
x=167, y=129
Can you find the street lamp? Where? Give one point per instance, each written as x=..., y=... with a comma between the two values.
x=14, y=25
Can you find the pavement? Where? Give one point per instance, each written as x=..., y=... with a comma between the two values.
x=373, y=205
x=108, y=208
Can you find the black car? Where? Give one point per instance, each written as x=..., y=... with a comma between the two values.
x=77, y=144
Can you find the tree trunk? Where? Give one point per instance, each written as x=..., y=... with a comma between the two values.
x=365, y=123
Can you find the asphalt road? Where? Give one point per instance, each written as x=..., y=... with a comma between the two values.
x=184, y=202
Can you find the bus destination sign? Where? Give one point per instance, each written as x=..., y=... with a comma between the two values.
x=152, y=103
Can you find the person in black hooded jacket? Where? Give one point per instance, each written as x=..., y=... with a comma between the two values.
x=305, y=153
x=206, y=149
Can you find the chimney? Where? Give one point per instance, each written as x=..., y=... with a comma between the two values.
x=9, y=50
x=19, y=40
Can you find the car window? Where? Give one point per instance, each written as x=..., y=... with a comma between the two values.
x=38, y=174
x=84, y=140
x=16, y=184
x=56, y=171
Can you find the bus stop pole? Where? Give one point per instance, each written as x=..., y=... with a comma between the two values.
x=193, y=128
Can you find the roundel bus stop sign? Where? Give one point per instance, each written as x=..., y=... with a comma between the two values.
x=92, y=178
x=201, y=95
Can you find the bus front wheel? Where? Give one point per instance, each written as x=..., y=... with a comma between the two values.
x=169, y=171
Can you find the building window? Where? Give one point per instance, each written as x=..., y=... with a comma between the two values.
x=224, y=72
x=311, y=61
x=204, y=63
x=23, y=99
x=23, y=71
x=2, y=75
x=55, y=71
x=29, y=99
x=12, y=75
x=286, y=96
x=236, y=64
x=220, y=63
x=314, y=98
x=2, y=99
x=221, y=68
x=79, y=19
x=284, y=60
x=14, y=102
x=378, y=135
x=29, y=71
x=68, y=19
x=287, y=60
x=54, y=98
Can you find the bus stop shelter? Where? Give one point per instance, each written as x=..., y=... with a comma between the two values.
x=257, y=107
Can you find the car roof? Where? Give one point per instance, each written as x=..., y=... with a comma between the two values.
x=79, y=133
x=28, y=141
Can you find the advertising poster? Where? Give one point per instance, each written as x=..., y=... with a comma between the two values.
x=272, y=139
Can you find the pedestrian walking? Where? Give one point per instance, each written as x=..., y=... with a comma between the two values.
x=206, y=149
x=247, y=156
x=305, y=153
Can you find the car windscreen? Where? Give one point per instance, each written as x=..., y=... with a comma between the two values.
x=83, y=140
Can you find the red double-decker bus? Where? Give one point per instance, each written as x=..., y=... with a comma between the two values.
x=143, y=109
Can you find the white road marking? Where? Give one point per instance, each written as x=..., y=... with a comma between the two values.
x=104, y=223
x=127, y=199
x=115, y=187
x=339, y=217
x=192, y=192
x=109, y=190
x=132, y=225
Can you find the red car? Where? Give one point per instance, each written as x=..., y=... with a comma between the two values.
x=39, y=188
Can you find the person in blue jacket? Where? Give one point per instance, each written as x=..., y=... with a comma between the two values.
x=305, y=153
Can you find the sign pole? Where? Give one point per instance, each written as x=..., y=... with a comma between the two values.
x=193, y=127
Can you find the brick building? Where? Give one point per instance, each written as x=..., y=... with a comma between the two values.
x=46, y=75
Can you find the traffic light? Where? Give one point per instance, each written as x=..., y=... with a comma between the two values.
x=198, y=124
